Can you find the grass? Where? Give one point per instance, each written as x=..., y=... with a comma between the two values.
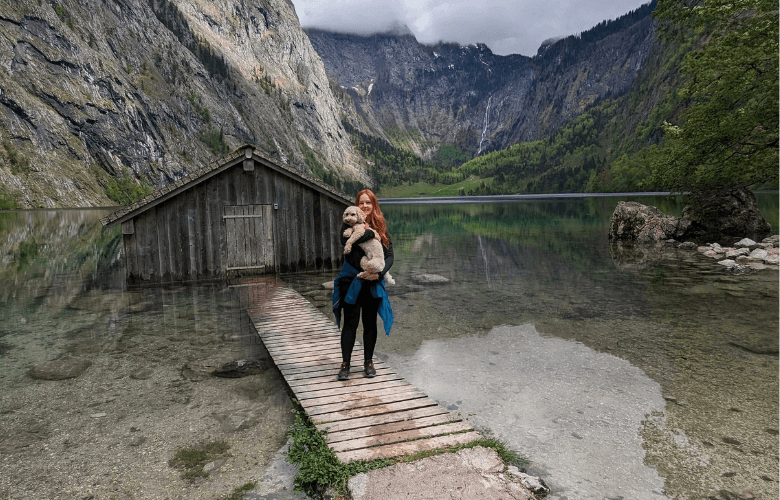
x=419, y=189
x=318, y=467
x=191, y=459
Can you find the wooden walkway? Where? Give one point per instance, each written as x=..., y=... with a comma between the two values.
x=366, y=418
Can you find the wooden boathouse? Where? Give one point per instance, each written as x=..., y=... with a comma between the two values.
x=243, y=214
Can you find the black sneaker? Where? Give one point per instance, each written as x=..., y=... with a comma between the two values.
x=369, y=368
x=344, y=372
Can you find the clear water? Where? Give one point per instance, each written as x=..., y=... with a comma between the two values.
x=698, y=344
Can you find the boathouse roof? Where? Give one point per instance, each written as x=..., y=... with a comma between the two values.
x=245, y=152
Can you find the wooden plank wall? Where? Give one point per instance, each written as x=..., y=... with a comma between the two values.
x=182, y=239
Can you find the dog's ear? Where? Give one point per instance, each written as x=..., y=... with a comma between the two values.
x=361, y=217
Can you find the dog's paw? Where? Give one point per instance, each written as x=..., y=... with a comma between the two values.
x=347, y=248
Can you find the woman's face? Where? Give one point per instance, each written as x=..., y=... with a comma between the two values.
x=364, y=203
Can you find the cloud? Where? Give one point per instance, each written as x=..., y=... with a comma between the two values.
x=506, y=26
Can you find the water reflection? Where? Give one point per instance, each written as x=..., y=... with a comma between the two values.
x=141, y=363
x=691, y=327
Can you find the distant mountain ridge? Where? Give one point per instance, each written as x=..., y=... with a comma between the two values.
x=426, y=96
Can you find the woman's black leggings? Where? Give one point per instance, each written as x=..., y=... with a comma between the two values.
x=369, y=305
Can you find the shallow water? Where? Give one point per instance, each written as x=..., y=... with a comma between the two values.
x=144, y=387
x=685, y=406
x=616, y=377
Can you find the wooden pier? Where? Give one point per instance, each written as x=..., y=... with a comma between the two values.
x=366, y=418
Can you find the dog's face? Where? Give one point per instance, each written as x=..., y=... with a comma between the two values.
x=353, y=215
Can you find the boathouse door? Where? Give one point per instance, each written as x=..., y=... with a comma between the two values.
x=249, y=239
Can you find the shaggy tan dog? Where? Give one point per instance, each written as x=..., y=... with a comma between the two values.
x=374, y=260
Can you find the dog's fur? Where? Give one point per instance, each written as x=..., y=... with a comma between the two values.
x=374, y=260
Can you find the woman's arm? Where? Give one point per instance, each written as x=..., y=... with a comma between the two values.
x=369, y=234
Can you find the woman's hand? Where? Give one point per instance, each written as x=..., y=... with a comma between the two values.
x=365, y=275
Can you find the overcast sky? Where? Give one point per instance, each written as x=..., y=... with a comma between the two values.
x=506, y=26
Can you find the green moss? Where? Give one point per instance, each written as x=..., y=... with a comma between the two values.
x=318, y=467
x=191, y=459
x=238, y=491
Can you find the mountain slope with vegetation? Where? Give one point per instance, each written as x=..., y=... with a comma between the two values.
x=701, y=117
x=101, y=99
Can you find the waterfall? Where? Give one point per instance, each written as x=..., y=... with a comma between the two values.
x=484, y=259
x=484, y=129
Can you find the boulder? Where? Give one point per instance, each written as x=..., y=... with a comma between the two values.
x=714, y=218
x=632, y=221
x=746, y=243
x=732, y=214
x=736, y=253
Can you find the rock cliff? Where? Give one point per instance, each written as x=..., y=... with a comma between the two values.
x=425, y=96
x=90, y=89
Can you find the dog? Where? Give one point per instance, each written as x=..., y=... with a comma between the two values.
x=374, y=260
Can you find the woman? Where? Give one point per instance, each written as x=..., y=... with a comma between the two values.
x=352, y=294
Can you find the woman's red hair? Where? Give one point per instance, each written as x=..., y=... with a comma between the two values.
x=376, y=220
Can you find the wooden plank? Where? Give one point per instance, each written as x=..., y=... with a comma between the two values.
x=294, y=218
x=330, y=382
x=373, y=410
x=145, y=230
x=365, y=394
x=282, y=342
x=327, y=374
x=322, y=336
x=387, y=418
x=220, y=193
x=201, y=222
x=321, y=393
x=409, y=447
x=131, y=257
x=192, y=234
x=397, y=437
x=209, y=206
x=317, y=359
x=230, y=234
x=309, y=241
x=267, y=238
x=304, y=352
x=376, y=430
x=163, y=243
x=310, y=332
x=308, y=335
x=283, y=349
x=282, y=226
x=371, y=404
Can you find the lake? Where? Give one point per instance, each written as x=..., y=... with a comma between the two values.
x=616, y=377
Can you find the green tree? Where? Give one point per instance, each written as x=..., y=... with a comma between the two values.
x=727, y=136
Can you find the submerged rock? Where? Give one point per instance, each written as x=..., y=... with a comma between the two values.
x=429, y=279
x=60, y=369
x=240, y=368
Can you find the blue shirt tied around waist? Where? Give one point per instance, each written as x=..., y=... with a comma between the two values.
x=378, y=291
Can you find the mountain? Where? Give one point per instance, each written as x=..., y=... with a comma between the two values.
x=91, y=90
x=423, y=97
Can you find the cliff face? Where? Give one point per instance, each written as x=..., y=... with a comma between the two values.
x=470, y=97
x=89, y=88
